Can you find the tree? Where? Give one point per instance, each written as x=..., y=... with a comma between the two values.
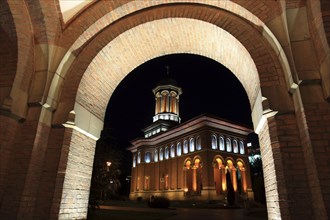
x=105, y=182
x=257, y=178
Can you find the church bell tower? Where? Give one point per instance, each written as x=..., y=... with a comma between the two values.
x=167, y=93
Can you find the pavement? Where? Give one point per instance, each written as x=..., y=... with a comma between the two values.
x=194, y=213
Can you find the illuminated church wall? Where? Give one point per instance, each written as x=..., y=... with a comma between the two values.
x=183, y=162
x=188, y=160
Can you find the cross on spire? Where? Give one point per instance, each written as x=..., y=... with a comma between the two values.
x=167, y=70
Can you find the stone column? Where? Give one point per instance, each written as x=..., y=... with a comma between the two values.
x=73, y=180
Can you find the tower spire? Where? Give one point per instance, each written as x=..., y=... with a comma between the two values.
x=167, y=94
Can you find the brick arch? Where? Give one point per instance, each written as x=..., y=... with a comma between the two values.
x=32, y=42
x=8, y=51
x=101, y=14
x=106, y=57
x=19, y=68
x=106, y=72
x=263, y=50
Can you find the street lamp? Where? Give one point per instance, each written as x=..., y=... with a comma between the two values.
x=108, y=165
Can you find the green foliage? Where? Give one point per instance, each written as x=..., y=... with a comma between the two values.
x=105, y=182
x=257, y=179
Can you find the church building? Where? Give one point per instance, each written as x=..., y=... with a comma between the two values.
x=188, y=160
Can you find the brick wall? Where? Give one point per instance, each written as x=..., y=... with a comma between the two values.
x=76, y=165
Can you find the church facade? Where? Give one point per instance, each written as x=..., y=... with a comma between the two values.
x=188, y=160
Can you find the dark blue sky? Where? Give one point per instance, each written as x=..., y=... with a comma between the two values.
x=208, y=87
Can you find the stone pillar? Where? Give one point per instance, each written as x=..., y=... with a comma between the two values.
x=10, y=127
x=272, y=181
x=74, y=177
x=22, y=153
x=314, y=128
x=288, y=191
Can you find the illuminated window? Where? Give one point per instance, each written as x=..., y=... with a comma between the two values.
x=178, y=149
x=241, y=147
x=134, y=161
x=185, y=147
x=192, y=145
x=139, y=157
x=221, y=143
x=167, y=153
x=147, y=157
x=172, y=151
x=242, y=176
x=228, y=144
x=156, y=156
x=161, y=154
x=235, y=146
x=214, y=142
x=198, y=143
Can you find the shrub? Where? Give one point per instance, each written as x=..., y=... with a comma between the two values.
x=139, y=199
x=159, y=202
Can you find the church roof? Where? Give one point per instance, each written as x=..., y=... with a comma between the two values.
x=167, y=81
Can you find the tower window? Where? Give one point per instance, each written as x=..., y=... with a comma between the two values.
x=235, y=146
x=192, y=145
x=134, y=161
x=156, y=156
x=161, y=154
x=221, y=143
x=172, y=151
x=167, y=153
x=185, y=147
x=228, y=144
x=214, y=142
x=147, y=157
x=139, y=157
x=178, y=149
x=198, y=143
x=241, y=147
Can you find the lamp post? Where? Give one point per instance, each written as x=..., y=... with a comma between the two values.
x=108, y=165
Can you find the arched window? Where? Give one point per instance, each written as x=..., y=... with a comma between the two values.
x=147, y=157
x=198, y=143
x=231, y=168
x=134, y=161
x=172, y=151
x=178, y=149
x=235, y=146
x=167, y=153
x=161, y=154
x=214, y=142
x=139, y=157
x=241, y=176
x=185, y=147
x=221, y=143
x=241, y=147
x=156, y=155
x=192, y=145
x=228, y=144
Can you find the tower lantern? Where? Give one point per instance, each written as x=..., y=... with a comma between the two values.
x=167, y=93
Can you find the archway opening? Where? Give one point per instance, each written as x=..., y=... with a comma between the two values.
x=208, y=87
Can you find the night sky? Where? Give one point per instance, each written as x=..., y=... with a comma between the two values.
x=208, y=87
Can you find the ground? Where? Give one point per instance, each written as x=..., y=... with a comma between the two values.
x=131, y=210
